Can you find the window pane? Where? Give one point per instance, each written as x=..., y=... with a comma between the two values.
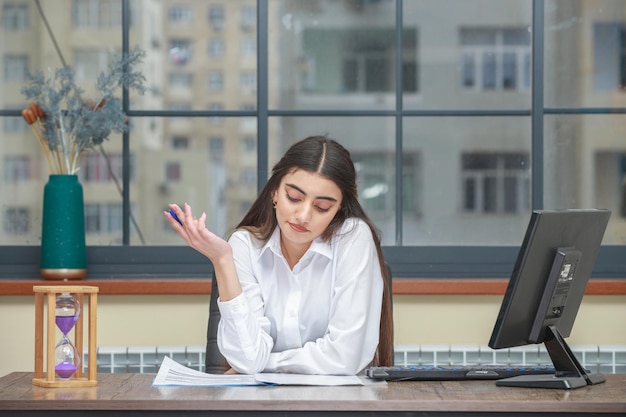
x=474, y=58
x=472, y=181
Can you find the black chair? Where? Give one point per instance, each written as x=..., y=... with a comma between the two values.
x=215, y=363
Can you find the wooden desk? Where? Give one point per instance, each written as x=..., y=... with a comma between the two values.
x=133, y=394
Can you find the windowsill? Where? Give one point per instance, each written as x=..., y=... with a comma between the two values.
x=199, y=286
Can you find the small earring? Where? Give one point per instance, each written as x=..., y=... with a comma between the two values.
x=274, y=202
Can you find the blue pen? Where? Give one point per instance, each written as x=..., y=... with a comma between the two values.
x=175, y=217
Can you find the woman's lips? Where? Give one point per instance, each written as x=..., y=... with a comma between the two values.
x=298, y=228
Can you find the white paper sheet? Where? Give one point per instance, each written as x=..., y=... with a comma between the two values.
x=173, y=373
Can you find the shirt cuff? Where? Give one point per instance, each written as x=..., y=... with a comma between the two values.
x=235, y=308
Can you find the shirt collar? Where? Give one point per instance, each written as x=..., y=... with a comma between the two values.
x=317, y=246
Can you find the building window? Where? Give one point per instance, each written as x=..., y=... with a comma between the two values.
x=96, y=168
x=216, y=17
x=180, y=14
x=15, y=125
x=180, y=79
x=16, y=168
x=173, y=172
x=15, y=67
x=16, y=220
x=609, y=56
x=365, y=63
x=97, y=14
x=216, y=48
x=89, y=63
x=179, y=51
x=103, y=218
x=248, y=80
x=495, y=59
x=248, y=47
x=216, y=146
x=180, y=142
x=496, y=183
x=376, y=182
x=248, y=144
x=216, y=80
x=248, y=18
x=216, y=107
x=15, y=17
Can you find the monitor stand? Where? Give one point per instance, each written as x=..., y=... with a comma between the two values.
x=569, y=373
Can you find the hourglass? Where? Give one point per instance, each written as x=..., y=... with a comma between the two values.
x=67, y=357
x=63, y=359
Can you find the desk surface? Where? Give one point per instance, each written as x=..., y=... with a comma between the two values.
x=134, y=393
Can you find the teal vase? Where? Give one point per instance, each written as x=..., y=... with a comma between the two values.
x=63, y=250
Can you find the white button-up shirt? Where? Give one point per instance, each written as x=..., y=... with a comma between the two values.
x=322, y=317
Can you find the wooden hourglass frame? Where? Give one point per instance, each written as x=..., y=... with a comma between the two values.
x=48, y=294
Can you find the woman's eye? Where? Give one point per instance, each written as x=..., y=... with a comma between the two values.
x=322, y=209
x=292, y=199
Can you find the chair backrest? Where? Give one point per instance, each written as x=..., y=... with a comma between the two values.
x=215, y=363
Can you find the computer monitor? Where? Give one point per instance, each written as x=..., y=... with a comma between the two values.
x=545, y=290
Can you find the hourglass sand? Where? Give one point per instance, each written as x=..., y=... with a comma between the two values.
x=64, y=311
x=67, y=358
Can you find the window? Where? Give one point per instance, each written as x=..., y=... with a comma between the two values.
x=495, y=59
x=15, y=17
x=172, y=172
x=15, y=67
x=89, y=63
x=216, y=17
x=216, y=48
x=180, y=79
x=216, y=81
x=16, y=220
x=248, y=47
x=216, y=107
x=15, y=125
x=104, y=218
x=96, y=167
x=375, y=182
x=366, y=61
x=496, y=183
x=248, y=81
x=248, y=145
x=609, y=56
x=16, y=168
x=180, y=51
x=398, y=82
x=180, y=142
x=216, y=147
x=181, y=14
x=97, y=14
x=248, y=17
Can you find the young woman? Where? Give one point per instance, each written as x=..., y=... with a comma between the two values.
x=302, y=281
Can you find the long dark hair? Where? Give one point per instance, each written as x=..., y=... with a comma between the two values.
x=325, y=156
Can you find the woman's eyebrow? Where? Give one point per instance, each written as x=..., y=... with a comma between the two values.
x=295, y=187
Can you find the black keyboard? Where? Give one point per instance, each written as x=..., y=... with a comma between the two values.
x=453, y=373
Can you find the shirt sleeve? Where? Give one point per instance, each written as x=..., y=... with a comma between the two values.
x=352, y=337
x=243, y=332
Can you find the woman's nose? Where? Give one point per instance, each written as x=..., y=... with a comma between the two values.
x=303, y=215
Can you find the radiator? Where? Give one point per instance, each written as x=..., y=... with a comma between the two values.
x=597, y=359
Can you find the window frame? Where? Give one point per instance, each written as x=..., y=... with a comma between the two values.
x=128, y=262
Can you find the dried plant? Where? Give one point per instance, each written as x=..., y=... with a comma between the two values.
x=66, y=124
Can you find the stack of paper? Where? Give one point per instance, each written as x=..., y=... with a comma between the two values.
x=173, y=373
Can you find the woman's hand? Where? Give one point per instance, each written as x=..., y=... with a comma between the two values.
x=195, y=233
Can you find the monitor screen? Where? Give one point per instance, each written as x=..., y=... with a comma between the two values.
x=545, y=290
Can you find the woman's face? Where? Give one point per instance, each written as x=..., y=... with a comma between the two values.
x=306, y=203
